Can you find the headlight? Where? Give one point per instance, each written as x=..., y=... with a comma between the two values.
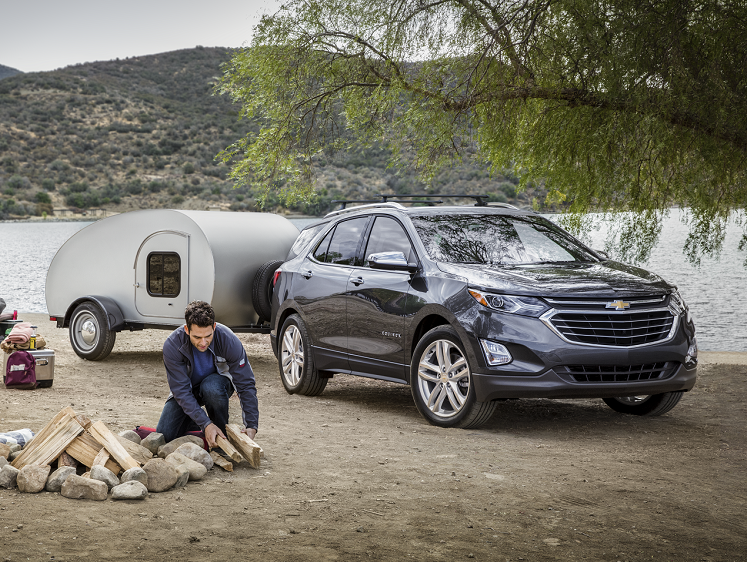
x=526, y=306
x=678, y=306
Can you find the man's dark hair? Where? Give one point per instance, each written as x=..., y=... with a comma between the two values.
x=200, y=314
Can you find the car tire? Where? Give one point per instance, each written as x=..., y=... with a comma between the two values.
x=90, y=335
x=262, y=289
x=439, y=362
x=652, y=405
x=297, y=371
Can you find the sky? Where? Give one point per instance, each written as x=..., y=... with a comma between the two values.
x=40, y=35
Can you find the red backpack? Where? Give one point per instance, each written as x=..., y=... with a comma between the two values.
x=20, y=371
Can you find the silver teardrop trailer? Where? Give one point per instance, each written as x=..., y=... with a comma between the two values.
x=140, y=270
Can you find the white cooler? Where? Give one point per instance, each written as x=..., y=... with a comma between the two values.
x=44, y=366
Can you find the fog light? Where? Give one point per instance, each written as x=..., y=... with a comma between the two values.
x=495, y=353
x=691, y=359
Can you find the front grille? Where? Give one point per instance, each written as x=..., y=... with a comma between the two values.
x=617, y=329
x=617, y=373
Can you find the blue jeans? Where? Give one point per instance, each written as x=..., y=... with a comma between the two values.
x=213, y=393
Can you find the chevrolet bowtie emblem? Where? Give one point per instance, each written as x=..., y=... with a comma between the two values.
x=618, y=305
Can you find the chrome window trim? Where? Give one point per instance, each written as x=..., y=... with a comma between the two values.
x=553, y=311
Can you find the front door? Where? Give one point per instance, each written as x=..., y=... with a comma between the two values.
x=161, y=275
x=376, y=306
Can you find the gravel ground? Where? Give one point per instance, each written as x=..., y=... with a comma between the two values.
x=357, y=474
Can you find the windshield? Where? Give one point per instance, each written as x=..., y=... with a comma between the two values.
x=497, y=240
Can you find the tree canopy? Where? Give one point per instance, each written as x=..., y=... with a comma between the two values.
x=626, y=107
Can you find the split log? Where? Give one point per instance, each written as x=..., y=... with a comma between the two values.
x=51, y=441
x=229, y=449
x=84, y=449
x=137, y=452
x=66, y=460
x=101, y=458
x=224, y=463
x=83, y=420
x=248, y=448
x=101, y=433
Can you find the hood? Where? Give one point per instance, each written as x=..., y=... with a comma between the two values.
x=607, y=278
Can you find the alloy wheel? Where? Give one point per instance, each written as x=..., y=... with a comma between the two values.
x=292, y=355
x=443, y=378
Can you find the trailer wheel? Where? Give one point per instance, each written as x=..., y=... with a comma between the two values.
x=89, y=332
x=262, y=289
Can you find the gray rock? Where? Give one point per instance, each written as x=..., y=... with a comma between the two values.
x=153, y=441
x=58, y=477
x=3, y=461
x=131, y=435
x=136, y=474
x=196, y=470
x=8, y=475
x=79, y=488
x=15, y=454
x=15, y=447
x=130, y=490
x=104, y=475
x=161, y=475
x=32, y=478
x=165, y=450
x=196, y=453
x=4, y=451
x=182, y=476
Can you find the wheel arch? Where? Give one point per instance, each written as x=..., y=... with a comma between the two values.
x=114, y=317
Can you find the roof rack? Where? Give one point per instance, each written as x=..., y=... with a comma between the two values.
x=389, y=205
x=480, y=200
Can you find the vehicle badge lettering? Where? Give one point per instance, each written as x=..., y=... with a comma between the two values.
x=618, y=305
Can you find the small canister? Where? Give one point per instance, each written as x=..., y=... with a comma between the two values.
x=32, y=339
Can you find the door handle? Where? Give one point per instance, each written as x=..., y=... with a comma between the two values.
x=308, y=274
x=357, y=281
x=137, y=285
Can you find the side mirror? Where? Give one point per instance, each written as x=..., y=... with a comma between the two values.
x=391, y=261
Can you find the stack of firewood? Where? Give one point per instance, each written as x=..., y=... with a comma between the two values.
x=71, y=439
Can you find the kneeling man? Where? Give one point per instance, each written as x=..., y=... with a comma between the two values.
x=205, y=362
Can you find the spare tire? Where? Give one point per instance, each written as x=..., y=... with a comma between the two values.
x=262, y=289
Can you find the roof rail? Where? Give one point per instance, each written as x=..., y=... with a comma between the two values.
x=390, y=205
x=480, y=200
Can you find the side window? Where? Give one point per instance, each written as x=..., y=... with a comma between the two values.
x=303, y=240
x=387, y=235
x=320, y=254
x=344, y=244
x=164, y=274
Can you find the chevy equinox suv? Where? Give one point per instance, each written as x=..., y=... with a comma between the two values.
x=471, y=305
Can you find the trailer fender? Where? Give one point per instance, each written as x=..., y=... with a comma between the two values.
x=114, y=316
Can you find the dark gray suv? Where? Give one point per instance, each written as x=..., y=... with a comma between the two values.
x=471, y=305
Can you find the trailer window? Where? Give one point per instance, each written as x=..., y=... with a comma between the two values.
x=164, y=274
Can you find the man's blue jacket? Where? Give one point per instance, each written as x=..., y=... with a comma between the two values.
x=230, y=361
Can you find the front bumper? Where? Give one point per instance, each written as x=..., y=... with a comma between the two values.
x=550, y=384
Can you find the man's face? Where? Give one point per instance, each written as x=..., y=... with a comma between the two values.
x=200, y=337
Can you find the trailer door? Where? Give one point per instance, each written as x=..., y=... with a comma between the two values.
x=161, y=275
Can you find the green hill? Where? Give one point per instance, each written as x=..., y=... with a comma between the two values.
x=143, y=133
x=6, y=71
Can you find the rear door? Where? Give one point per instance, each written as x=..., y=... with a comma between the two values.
x=320, y=286
x=162, y=275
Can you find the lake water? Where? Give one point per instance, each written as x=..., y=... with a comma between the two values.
x=715, y=292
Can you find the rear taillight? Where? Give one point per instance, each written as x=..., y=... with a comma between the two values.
x=275, y=277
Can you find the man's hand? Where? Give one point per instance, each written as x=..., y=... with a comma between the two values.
x=211, y=434
x=249, y=432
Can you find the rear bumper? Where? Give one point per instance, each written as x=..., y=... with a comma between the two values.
x=550, y=384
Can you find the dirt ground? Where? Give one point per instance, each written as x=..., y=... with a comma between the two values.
x=357, y=474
